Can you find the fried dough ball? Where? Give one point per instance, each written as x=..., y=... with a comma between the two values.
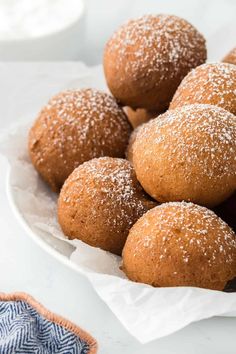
x=139, y=116
x=188, y=154
x=146, y=59
x=100, y=201
x=209, y=84
x=129, y=151
x=74, y=127
x=230, y=57
x=180, y=244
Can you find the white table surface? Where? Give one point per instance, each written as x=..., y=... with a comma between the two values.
x=25, y=267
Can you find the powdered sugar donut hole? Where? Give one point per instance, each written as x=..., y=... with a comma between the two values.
x=146, y=59
x=76, y=126
x=212, y=83
x=100, y=201
x=181, y=244
x=188, y=154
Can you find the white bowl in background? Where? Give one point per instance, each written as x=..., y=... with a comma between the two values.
x=66, y=42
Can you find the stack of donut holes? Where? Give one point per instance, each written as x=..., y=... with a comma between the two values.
x=148, y=171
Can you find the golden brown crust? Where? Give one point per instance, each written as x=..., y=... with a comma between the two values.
x=146, y=59
x=76, y=126
x=130, y=147
x=180, y=244
x=188, y=154
x=230, y=57
x=100, y=201
x=139, y=116
x=212, y=83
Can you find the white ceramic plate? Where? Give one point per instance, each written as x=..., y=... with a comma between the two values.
x=62, y=253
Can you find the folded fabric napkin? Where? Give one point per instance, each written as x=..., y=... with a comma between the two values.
x=27, y=327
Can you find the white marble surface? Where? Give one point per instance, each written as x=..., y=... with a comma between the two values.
x=25, y=267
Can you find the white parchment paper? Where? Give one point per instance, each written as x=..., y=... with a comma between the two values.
x=147, y=313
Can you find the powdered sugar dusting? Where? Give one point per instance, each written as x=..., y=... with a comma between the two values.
x=211, y=83
x=191, y=230
x=112, y=181
x=88, y=107
x=205, y=136
x=162, y=43
x=79, y=125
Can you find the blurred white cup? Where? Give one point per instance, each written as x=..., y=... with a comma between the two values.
x=52, y=30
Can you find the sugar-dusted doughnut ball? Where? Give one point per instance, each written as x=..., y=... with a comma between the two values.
x=74, y=127
x=146, y=59
x=230, y=57
x=100, y=201
x=209, y=84
x=188, y=154
x=180, y=244
x=139, y=116
x=129, y=151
